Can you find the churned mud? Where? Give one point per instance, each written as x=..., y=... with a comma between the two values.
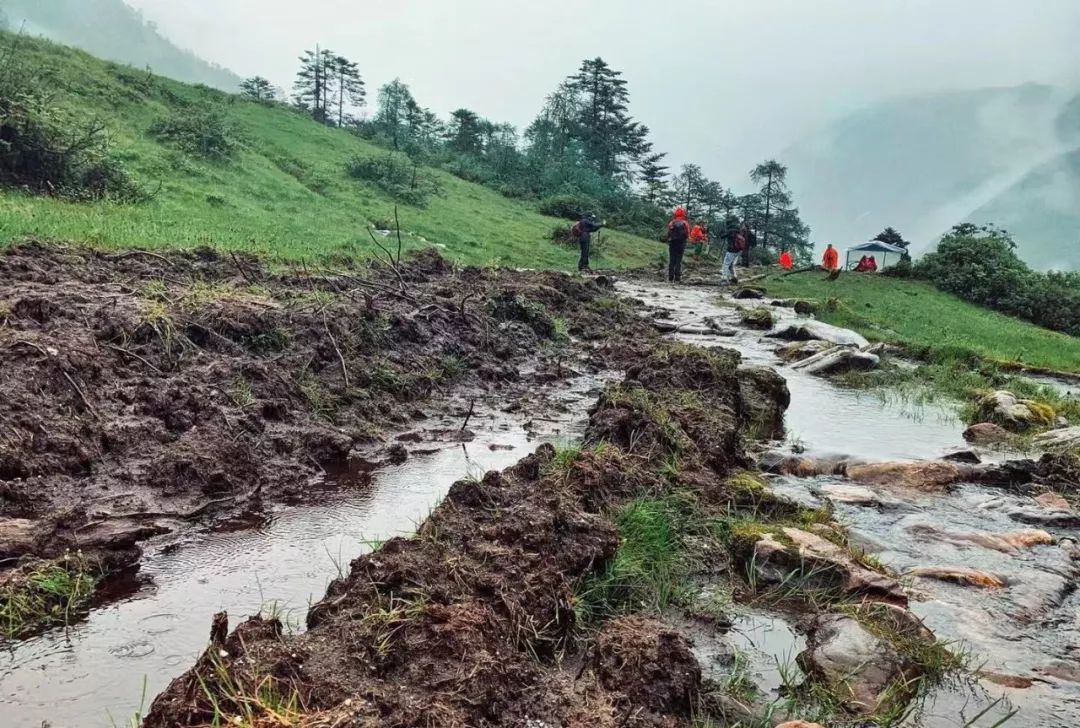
x=143, y=392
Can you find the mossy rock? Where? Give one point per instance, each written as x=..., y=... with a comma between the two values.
x=758, y=318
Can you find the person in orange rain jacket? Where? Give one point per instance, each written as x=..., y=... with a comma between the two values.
x=678, y=232
x=786, y=261
x=831, y=259
x=700, y=239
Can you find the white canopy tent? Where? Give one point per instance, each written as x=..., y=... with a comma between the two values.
x=872, y=248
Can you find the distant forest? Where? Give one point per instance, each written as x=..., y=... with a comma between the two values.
x=113, y=30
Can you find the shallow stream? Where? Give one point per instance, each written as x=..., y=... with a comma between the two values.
x=1029, y=629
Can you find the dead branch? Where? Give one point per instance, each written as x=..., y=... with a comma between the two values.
x=82, y=396
x=397, y=226
x=341, y=359
x=133, y=355
x=236, y=262
x=390, y=257
x=468, y=416
x=132, y=253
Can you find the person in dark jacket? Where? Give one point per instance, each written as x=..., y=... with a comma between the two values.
x=585, y=228
x=678, y=233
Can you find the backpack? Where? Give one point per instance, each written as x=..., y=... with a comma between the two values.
x=740, y=242
x=576, y=232
x=678, y=232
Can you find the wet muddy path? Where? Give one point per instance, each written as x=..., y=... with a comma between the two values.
x=1024, y=636
x=92, y=674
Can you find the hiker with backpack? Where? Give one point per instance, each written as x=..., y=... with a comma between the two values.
x=678, y=233
x=735, y=243
x=582, y=232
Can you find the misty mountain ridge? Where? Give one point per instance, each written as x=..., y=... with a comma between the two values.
x=922, y=163
x=113, y=30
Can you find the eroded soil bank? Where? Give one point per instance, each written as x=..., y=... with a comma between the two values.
x=144, y=392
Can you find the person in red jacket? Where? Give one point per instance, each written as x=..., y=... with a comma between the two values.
x=831, y=260
x=786, y=261
x=700, y=238
x=678, y=233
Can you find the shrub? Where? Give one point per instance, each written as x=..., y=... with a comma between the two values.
x=568, y=207
x=46, y=150
x=397, y=175
x=979, y=264
x=205, y=133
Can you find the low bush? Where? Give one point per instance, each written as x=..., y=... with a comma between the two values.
x=397, y=175
x=48, y=150
x=205, y=133
x=568, y=207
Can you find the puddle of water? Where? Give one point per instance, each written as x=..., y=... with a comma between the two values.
x=93, y=673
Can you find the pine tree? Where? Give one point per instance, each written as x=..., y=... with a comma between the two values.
x=351, y=91
x=654, y=179
x=890, y=236
x=610, y=138
x=258, y=88
x=314, y=83
x=463, y=134
x=774, y=193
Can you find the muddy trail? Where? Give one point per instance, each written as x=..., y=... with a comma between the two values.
x=145, y=393
x=823, y=564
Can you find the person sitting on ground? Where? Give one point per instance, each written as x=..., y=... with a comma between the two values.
x=700, y=239
x=831, y=260
x=678, y=232
x=871, y=264
x=864, y=264
x=786, y=261
x=583, y=231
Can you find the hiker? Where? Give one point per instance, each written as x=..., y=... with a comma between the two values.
x=678, y=232
x=700, y=238
x=786, y=261
x=735, y=242
x=583, y=231
x=871, y=264
x=831, y=260
x=864, y=264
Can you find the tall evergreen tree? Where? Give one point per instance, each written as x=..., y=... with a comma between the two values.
x=314, y=82
x=774, y=194
x=654, y=179
x=464, y=132
x=890, y=236
x=610, y=138
x=351, y=91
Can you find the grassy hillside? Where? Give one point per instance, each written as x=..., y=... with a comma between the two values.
x=917, y=315
x=113, y=29
x=286, y=192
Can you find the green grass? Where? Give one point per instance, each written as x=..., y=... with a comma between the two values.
x=286, y=194
x=921, y=318
x=47, y=594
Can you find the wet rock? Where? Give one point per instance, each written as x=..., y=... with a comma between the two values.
x=838, y=360
x=766, y=397
x=926, y=476
x=860, y=668
x=1012, y=413
x=1068, y=671
x=964, y=456
x=1016, y=682
x=750, y=293
x=820, y=560
x=1067, y=438
x=651, y=665
x=808, y=330
x=987, y=433
x=799, y=350
x=878, y=349
x=665, y=327
x=850, y=494
x=959, y=575
x=1046, y=518
x=1053, y=501
x=397, y=454
x=1003, y=542
x=806, y=308
x=758, y=318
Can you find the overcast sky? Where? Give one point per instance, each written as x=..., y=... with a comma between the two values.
x=726, y=82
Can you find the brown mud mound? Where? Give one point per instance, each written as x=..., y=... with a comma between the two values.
x=473, y=621
x=141, y=389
